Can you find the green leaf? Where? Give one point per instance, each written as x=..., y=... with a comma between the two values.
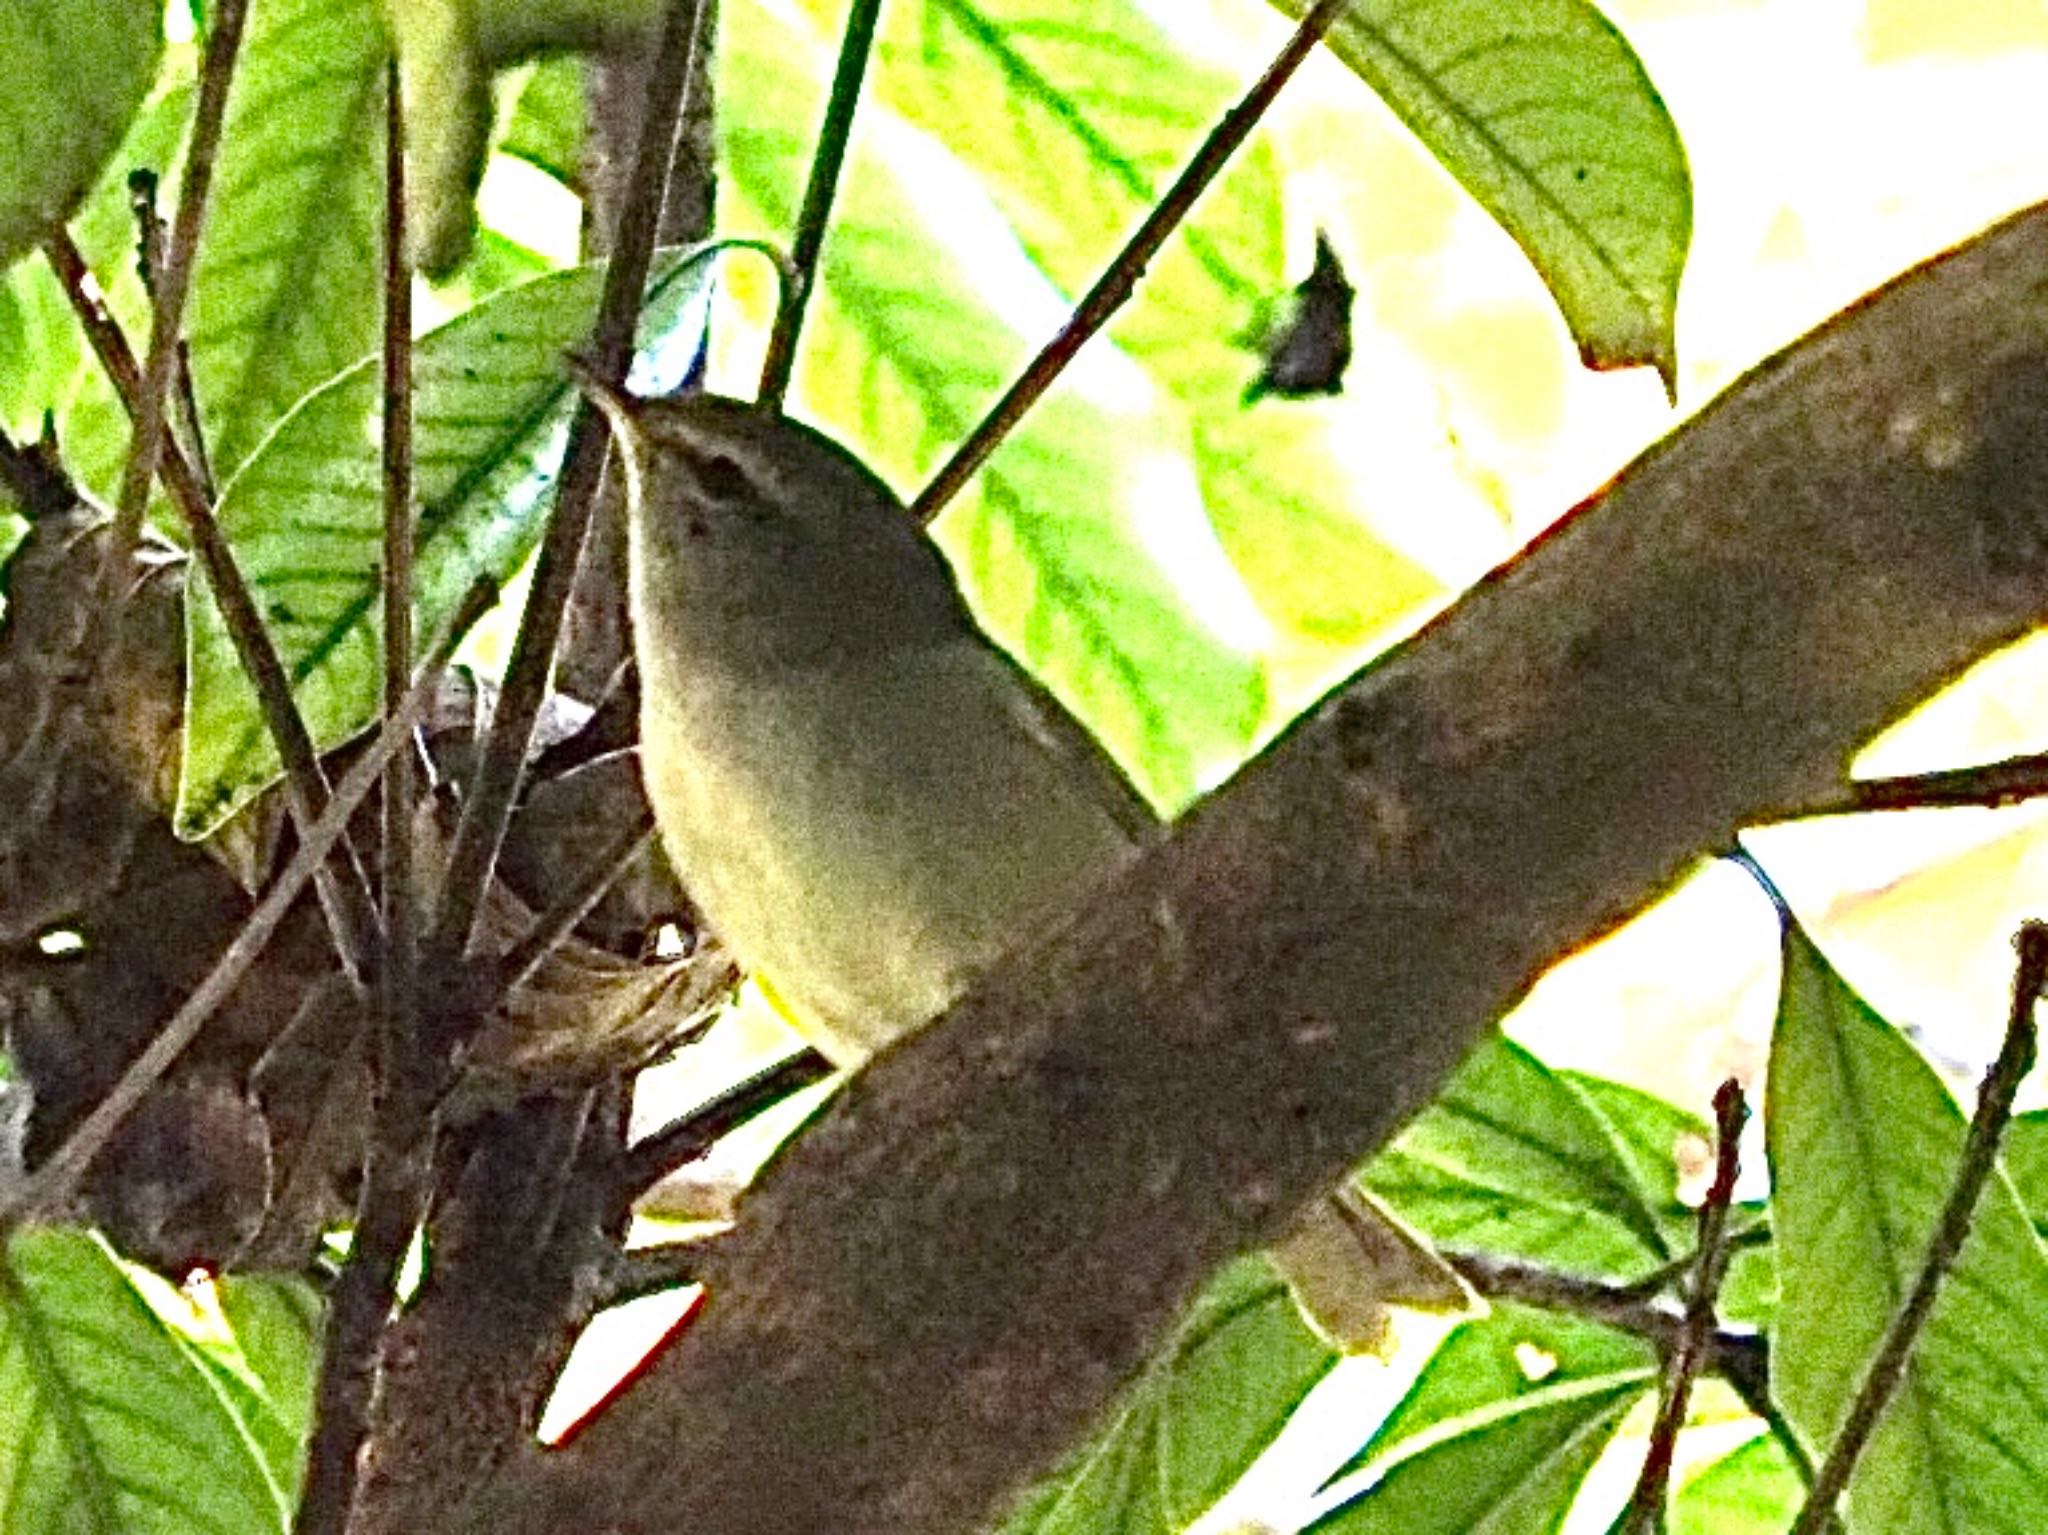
x=1864, y=1142
x=285, y=290
x=53, y=369
x=490, y=419
x=546, y=129
x=277, y=1322
x=2025, y=1154
x=77, y=70
x=1514, y=1351
x=1317, y=570
x=1650, y=1133
x=1224, y=1387
x=1749, y=1293
x=1074, y=116
x=1074, y=113
x=1516, y=1159
x=1503, y=1469
x=1545, y=115
x=1755, y=1491
x=1060, y=544
x=107, y=1421
x=495, y=263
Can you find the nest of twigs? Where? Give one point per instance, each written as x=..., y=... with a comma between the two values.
x=250, y=1145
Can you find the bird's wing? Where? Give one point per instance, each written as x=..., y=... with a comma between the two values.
x=1066, y=739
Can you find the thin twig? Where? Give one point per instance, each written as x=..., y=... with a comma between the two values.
x=394, y=1177
x=359, y=1306
x=149, y=452
x=1980, y=1152
x=1739, y=1356
x=398, y=974
x=519, y=963
x=1994, y=784
x=683, y=1141
x=488, y=805
x=149, y=266
x=1645, y=1511
x=223, y=42
x=54, y=1179
x=1116, y=285
x=305, y=784
x=102, y=331
x=1756, y=1234
x=826, y=164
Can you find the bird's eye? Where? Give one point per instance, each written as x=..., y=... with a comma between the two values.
x=723, y=479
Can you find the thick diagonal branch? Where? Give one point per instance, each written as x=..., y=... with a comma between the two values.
x=943, y=1285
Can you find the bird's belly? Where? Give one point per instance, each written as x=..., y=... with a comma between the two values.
x=884, y=868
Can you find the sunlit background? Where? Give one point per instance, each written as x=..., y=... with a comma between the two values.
x=1832, y=143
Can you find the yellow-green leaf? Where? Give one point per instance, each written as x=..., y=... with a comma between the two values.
x=1546, y=116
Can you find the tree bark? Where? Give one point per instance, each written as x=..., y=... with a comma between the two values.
x=940, y=1287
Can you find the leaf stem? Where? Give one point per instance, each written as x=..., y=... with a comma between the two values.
x=488, y=806
x=1645, y=1511
x=306, y=787
x=216, y=73
x=855, y=48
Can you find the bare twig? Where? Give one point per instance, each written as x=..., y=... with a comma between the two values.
x=1739, y=1356
x=489, y=804
x=1662, y=1278
x=519, y=963
x=854, y=50
x=398, y=971
x=684, y=1140
x=1116, y=285
x=51, y=1182
x=149, y=266
x=1645, y=1512
x=394, y=1175
x=102, y=332
x=223, y=42
x=1736, y=1353
x=305, y=784
x=2007, y=782
x=1980, y=1151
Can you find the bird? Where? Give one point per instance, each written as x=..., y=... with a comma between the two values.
x=870, y=801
